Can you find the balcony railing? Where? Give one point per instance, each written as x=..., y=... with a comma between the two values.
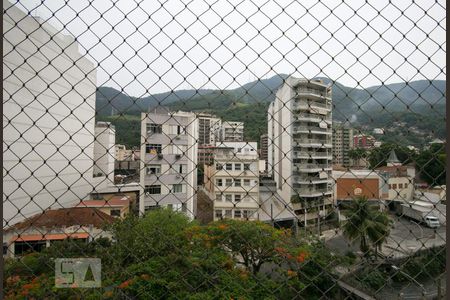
x=314, y=117
x=311, y=154
x=302, y=191
x=312, y=166
x=313, y=141
x=311, y=128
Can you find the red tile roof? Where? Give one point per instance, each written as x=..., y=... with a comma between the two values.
x=74, y=216
x=116, y=201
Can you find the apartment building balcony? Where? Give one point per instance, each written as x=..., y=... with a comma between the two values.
x=311, y=129
x=312, y=93
x=311, y=180
x=307, y=117
x=311, y=192
x=306, y=168
x=165, y=158
x=313, y=155
x=305, y=143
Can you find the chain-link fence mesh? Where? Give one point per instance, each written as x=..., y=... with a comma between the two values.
x=224, y=150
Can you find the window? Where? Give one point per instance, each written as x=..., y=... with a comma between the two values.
x=246, y=213
x=182, y=169
x=115, y=213
x=153, y=189
x=177, y=188
x=151, y=207
x=229, y=182
x=246, y=182
x=237, y=198
x=153, y=148
x=246, y=167
x=218, y=197
x=219, y=182
x=229, y=167
x=219, y=167
x=219, y=214
x=237, y=167
x=154, y=128
x=390, y=186
x=394, y=186
x=237, y=213
x=153, y=169
x=228, y=213
x=184, y=207
x=400, y=186
x=237, y=182
x=181, y=129
x=228, y=198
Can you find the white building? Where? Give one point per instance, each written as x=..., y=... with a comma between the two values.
x=209, y=126
x=231, y=131
x=48, y=118
x=104, y=150
x=233, y=180
x=168, y=161
x=299, y=129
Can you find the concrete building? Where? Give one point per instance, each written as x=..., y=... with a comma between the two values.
x=40, y=230
x=364, y=141
x=104, y=150
x=123, y=154
x=299, y=129
x=355, y=183
x=233, y=180
x=116, y=206
x=399, y=179
x=169, y=161
x=206, y=154
x=48, y=118
x=231, y=132
x=264, y=149
x=208, y=129
x=342, y=144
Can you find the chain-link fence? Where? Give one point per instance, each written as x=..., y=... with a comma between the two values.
x=224, y=150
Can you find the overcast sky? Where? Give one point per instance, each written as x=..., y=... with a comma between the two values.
x=224, y=44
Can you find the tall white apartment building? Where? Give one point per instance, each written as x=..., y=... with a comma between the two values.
x=168, y=175
x=231, y=131
x=233, y=180
x=48, y=118
x=104, y=151
x=299, y=142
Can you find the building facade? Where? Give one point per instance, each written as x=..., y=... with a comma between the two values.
x=342, y=144
x=364, y=141
x=169, y=161
x=208, y=129
x=48, y=117
x=231, y=131
x=264, y=149
x=300, y=146
x=233, y=181
x=104, y=150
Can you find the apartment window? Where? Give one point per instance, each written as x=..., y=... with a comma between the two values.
x=237, y=182
x=390, y=186
x=184, y=207
x=153, y=148
x=247, y=213
x=228, y=198
x=394, y=186
x=237, y=198
x=115, y=213
x=218, y=213
x=219, y=182
x=229, y=167
x=181, y=129
x=246, y=167
x=237, y=167
x=153, y=169
x=228, y=213
x=154, y=128
x=151, y=207
x=229, y=182
x=219, y=167
x=182, y=169
x=153, y=189
x=237, y=213
x=400, y=185
x=177, y=188
x=246, y=182
x=218, y=197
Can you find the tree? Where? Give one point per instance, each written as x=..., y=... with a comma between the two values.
x=366, y=224
x=431, y=164
x=378, y=156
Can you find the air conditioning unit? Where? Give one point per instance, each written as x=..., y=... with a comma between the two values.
x=160, y=156
x=177, y=176
x=177, y=156
x=177, y=137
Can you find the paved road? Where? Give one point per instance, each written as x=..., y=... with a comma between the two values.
x=405, y=238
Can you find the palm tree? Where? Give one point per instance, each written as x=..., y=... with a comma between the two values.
x=366, y=224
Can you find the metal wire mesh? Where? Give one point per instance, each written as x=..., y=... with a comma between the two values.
x=224, y=150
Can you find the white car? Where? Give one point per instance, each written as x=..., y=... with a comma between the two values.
x=432, y=221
